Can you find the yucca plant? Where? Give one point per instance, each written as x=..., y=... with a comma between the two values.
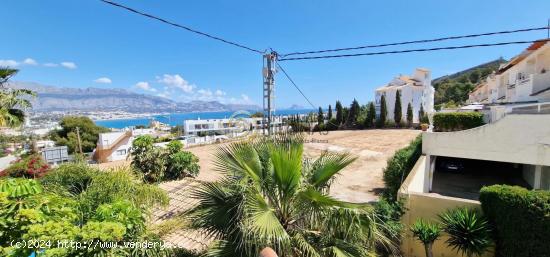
x=271, y=197
x=469, y=232
x=426, y=233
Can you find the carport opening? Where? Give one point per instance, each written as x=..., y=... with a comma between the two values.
x=463, y=178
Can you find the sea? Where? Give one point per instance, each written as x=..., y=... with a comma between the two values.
x=175, y=119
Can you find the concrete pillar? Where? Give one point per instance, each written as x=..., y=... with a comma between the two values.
x=428, y=173
x=538, y=176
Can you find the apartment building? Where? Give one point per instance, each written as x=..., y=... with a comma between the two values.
x=416, y=90
x=525, y=78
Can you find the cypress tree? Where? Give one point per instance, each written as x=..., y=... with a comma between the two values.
x=320, y=118
x=421, y=114
x=397, y=112
x=371, y=115
x=383, y=111
x=353, y=113
x=409, y=115
x=329, y=112
x=339, y=113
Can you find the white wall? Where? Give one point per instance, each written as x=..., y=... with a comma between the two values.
x=516, y=138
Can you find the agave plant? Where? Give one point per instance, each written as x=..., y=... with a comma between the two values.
x=272, y=197
x=427, y=233
x=469, y=233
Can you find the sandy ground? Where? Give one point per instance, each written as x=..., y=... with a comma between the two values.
x=361, y=181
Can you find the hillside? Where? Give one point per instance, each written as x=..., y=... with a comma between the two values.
x=51, y=98
x=453, y=89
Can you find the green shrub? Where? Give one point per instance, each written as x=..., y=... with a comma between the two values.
x=32, y=166
x=400, y=165
x=521, y=219
x=454, y=121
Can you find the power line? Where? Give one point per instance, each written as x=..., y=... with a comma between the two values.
x=420, y=41
x=411, y=50
x=296, y=86
x=181, y=26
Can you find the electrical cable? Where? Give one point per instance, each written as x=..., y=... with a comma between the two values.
x=419, y=41
x=410, y=50
x=181, y=26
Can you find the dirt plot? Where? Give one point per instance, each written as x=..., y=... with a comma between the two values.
x=362, y=180
x=359, y=182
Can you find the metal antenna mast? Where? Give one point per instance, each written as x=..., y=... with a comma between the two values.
x=269, y=71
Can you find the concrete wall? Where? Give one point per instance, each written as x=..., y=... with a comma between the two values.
x=428, y=206
x=516, y=138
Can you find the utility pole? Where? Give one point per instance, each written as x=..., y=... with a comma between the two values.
x=78, y=138
x=269, y=88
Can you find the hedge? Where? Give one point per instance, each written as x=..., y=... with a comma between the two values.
x=521, y=219
x=399, y=166
x=454, y=121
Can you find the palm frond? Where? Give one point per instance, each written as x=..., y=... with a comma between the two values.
x=327, y=165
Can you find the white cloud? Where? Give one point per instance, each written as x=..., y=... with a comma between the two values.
x=205, y=93
x=8, y=63
x=51, y=64
x=103, y=80
x=30, y=61
x=145, y=86
x=245, y=97
x=219, y=93
x=176, y=81
x=69, y=65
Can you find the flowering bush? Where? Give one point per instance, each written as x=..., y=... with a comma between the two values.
x=32, y=166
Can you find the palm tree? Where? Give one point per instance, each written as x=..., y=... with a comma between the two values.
x=271, y=197
x=469, y=232
x=12, y=101
x=427, y=233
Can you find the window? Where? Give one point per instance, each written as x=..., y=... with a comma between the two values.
x=121, y=152
x=197, y=126
x=521, y=76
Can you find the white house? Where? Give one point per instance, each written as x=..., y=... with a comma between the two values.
x=525, y=78
x=416, y=90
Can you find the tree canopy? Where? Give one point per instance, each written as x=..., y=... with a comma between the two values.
x=89, y=133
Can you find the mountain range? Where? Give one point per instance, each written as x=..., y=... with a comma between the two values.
x=53, y=98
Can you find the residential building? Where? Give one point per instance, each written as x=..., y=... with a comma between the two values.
x=514, y=150
x=525, y=78
x=416, y=90
x=113, y=146
x=230, y=127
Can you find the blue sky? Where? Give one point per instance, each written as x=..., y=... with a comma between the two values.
x=83, y=43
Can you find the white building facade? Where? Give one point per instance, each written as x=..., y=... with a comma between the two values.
x=525, y=78
x=416, y=90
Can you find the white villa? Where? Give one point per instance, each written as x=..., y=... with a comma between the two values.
x=229, y=127
x=416, y=90
x=115, y=146
x=525, y=78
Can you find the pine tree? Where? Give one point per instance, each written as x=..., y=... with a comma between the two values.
x=339, y=113
x=397, y=112
x=329, y=112
x=383, y=111
x=371, y=115
x=320, y=118
x=409, y=115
